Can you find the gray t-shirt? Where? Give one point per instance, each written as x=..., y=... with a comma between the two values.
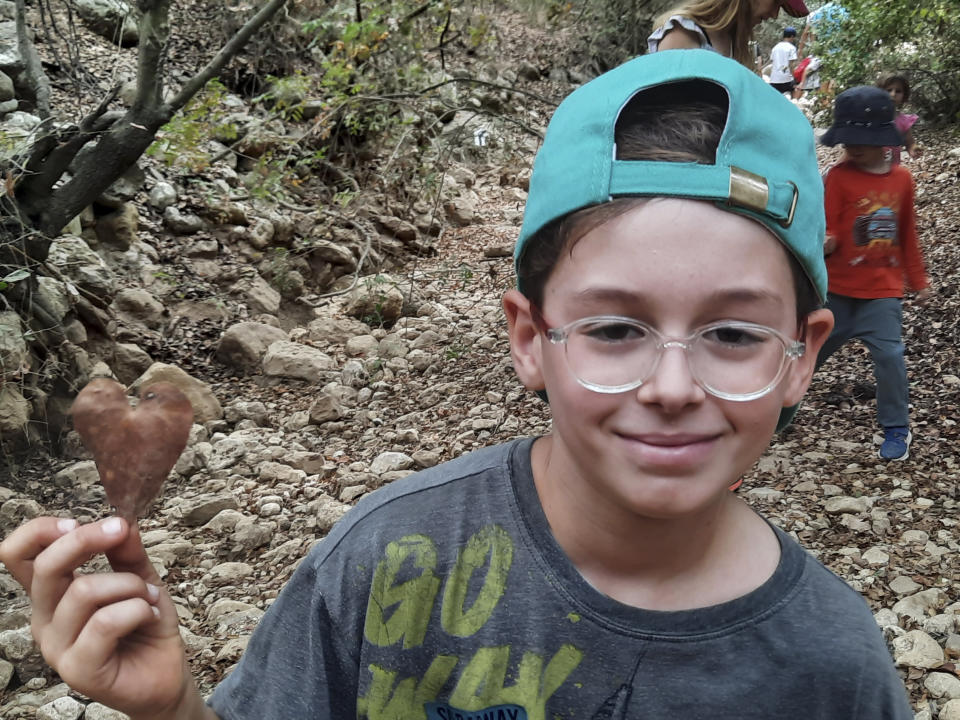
x=444, y=596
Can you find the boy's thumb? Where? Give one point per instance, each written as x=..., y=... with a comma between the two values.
x=130, y=556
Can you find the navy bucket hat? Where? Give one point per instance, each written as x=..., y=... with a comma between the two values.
x=863, y=115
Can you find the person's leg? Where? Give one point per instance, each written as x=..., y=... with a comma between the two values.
x=881, y=321
x=844, y=315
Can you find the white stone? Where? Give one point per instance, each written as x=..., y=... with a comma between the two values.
x=875, y=557
x=64, y=708
x=903, y=585
x=950, y=711
x=230, y=572
x=917, y=649
x=289, y=359
x=846, y=504
x=918, y=606
x=886, y=617
x=941, y=684
x=391, y=462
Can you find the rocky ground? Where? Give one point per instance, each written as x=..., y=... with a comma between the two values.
x=312, y=402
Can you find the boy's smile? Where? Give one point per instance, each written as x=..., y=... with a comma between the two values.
x=667, y=448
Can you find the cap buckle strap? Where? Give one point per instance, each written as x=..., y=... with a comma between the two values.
x=752, y=192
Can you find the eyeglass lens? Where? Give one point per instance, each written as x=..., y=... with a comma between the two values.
x=735, y=360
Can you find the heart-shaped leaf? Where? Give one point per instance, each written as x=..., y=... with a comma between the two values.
x=134, y=448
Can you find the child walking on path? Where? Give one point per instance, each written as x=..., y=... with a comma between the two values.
x=899, y=88
x=668, y=303
x=871, y=248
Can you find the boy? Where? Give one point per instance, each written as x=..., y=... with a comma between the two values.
x=871, y=246
x=668, y=305
x=783, y=59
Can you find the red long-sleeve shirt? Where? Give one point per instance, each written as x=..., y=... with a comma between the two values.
x=872, y=218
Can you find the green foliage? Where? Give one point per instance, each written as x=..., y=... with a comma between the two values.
x=286, y=95
x=918, y=38
x=367, y=61
x=15, y=276
x=183, y=142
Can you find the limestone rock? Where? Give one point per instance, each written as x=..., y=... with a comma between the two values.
x=162, y=195
x=376, y=300
x=14, y=356
x=64, y=708
x=844, y=504
x=902, y=585
x=96, y=711
x=336, y=330
x=257, y=294
x=14, y=411
x=941, y=684
x=182, y=223
x=950, y=711
x=390, y=462
x=201, y=509
x=119, y=228
x=325, y=409
x=918, y=606
x=243, y=345
x=206, y=407
x=130, y=361
x=83, y=267
x=113, y=19
x=917, y=649
x=289, y=359
x=139, y=306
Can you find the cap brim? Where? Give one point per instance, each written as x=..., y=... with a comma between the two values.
x=885, y=137
x=795, y=8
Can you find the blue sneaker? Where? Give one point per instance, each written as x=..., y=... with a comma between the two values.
x=896, y=443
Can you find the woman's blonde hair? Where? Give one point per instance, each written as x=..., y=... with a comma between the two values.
x=731, y=16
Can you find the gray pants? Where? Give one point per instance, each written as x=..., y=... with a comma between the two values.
x=877, y=323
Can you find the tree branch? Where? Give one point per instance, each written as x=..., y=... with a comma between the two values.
x=154, y=28
x=37, y=78
x=213, y=68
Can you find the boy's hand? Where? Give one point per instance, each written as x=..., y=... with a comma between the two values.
x=829, y=244
x=915, y=150
x=113, y=636
x=923, y=296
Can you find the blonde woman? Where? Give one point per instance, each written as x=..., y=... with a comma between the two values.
x=724, y=26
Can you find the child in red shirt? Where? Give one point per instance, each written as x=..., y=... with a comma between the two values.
x=871, y=247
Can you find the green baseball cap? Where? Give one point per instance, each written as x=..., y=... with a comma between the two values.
x=765, y=168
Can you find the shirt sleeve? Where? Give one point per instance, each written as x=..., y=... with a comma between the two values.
x=672, y=23
x=913, y=265
x=296, y=664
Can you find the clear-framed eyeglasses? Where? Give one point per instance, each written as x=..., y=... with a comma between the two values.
x=737, y=361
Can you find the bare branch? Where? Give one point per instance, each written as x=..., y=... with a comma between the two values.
x=154, y=30
x=213, y=68
x=34, y=72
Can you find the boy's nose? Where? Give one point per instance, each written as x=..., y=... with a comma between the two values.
x=671, y=385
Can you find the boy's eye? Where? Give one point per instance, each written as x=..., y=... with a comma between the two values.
x=733, y=335
x=613, y=332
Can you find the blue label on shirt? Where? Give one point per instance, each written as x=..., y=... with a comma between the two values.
x=442, y=711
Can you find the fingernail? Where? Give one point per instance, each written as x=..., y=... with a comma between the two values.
x=153, y=591
x=65, y=525
x=112, y=526
x=156, y=610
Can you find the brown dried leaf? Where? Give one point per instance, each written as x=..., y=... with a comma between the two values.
x=134, y=448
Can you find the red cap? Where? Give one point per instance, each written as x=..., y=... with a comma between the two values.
x=796, y=8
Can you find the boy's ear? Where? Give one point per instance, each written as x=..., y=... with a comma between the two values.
x=819, y=323
x=525, y=339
